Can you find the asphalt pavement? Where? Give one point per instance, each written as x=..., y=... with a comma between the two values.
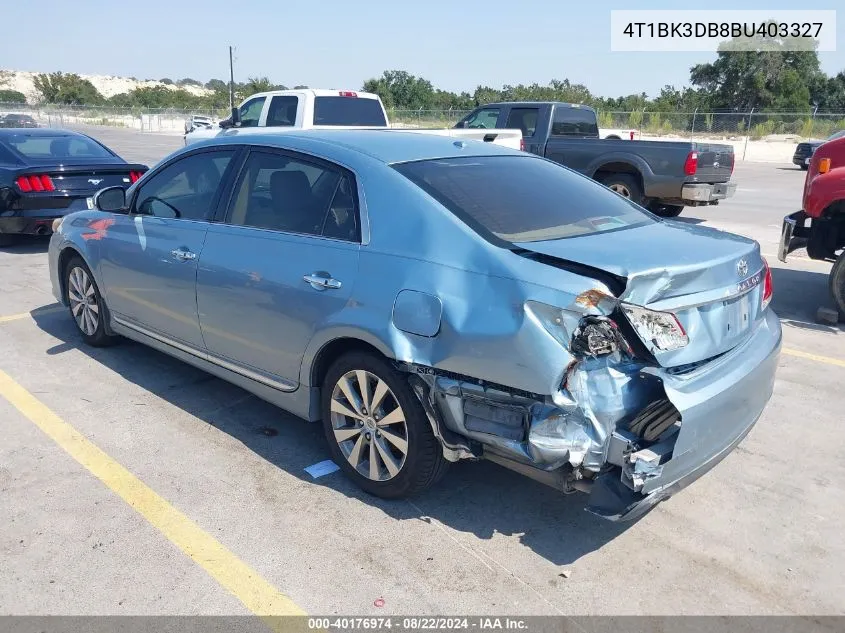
x=131, y=483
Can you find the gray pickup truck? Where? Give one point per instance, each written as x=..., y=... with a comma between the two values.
x=663, y=176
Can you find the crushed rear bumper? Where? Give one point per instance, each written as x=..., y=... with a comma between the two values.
x=719, y=404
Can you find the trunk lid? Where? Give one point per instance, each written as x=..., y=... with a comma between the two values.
x=710, y=280
x=715, y=162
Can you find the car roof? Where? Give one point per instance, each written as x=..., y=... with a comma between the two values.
x=559, y=104
x=385, y=145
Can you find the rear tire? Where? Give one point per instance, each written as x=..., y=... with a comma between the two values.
x=804, y=167
x=836, y=282
x=626, y=185
x=86, y=304
x=666, y=210
x=391, y=451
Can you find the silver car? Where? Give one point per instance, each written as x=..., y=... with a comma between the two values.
x=430, y=300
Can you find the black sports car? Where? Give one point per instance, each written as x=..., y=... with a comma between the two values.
x=18, y=120
x=804, y=151
x=46, y=174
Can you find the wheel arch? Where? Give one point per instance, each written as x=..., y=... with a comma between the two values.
x=66, y=254
x=316, y=363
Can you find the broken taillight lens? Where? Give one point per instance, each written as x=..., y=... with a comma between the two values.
x=661, y=329
x=768, y=289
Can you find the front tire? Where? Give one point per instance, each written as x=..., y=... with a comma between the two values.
x=377, y=430
x=86, y=304
x=836, y=282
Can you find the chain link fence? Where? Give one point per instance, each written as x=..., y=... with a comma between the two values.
x=755, y=135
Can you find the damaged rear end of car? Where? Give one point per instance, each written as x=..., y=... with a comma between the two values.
x=639, y=353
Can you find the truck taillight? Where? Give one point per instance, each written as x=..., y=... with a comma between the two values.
x=733, y=160
x=691, y=164
x=522, y=144
x=135, y=176
x=41, y=182
x=767, y=285
x=347, y=93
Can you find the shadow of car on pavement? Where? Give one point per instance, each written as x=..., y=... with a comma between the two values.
x=480, y=498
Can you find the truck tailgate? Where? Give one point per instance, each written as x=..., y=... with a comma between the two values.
x=715, y=162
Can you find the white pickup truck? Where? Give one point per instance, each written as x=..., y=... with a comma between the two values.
x=308, y=108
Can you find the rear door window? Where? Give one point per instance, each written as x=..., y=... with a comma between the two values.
x=281, y=193
x=524, y=119
x=282, y=111
x=569, y=121
x=522, y=199
x=352, y=111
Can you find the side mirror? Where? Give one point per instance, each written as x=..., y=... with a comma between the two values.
x=110, y=199
x=461, y=124
x=232, y=120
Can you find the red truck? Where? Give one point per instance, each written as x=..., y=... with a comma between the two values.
x=820, y=225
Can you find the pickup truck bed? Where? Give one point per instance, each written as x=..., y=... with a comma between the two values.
x=664, y=176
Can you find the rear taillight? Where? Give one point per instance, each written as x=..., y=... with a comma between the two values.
x=733, y=160
x=347, y=93
x=691, y=164
x=41, y=182
x=522, y=144
x=134, y=176
x=767, y=285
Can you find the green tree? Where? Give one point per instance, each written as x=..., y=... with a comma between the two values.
x=187, y=81
x=254, y=85
x=167, y=81
x=762, y=74
x=11, y=96
x=218, y=85
x=70, y=89
x=401, y=90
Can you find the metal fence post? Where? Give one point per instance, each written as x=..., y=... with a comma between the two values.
x=692, y=127
x=747, y=134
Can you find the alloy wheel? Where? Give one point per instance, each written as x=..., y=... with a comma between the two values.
x=83, y=300
x=369, y=425
x=621, y=189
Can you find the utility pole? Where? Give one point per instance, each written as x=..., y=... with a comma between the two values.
x=231, y=81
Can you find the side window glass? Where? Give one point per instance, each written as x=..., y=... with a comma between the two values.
x=186, y=189
x=280, y=193
x=341, y=221
x=251, y=112
x=524, y=119
x=485, y=118
x=282, y=111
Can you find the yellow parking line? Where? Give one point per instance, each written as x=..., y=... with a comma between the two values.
x=256, y=593
x=819, y=359
x=29, y=315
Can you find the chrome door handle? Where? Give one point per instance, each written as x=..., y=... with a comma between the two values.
x=183, y=254
x=322, y=282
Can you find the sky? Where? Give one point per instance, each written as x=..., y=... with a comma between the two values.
x=456, y=44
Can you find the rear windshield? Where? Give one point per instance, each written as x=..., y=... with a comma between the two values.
x=55, y=147
x=348, y=111
x=522, y=199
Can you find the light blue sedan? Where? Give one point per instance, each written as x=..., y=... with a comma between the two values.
x=430, y=300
